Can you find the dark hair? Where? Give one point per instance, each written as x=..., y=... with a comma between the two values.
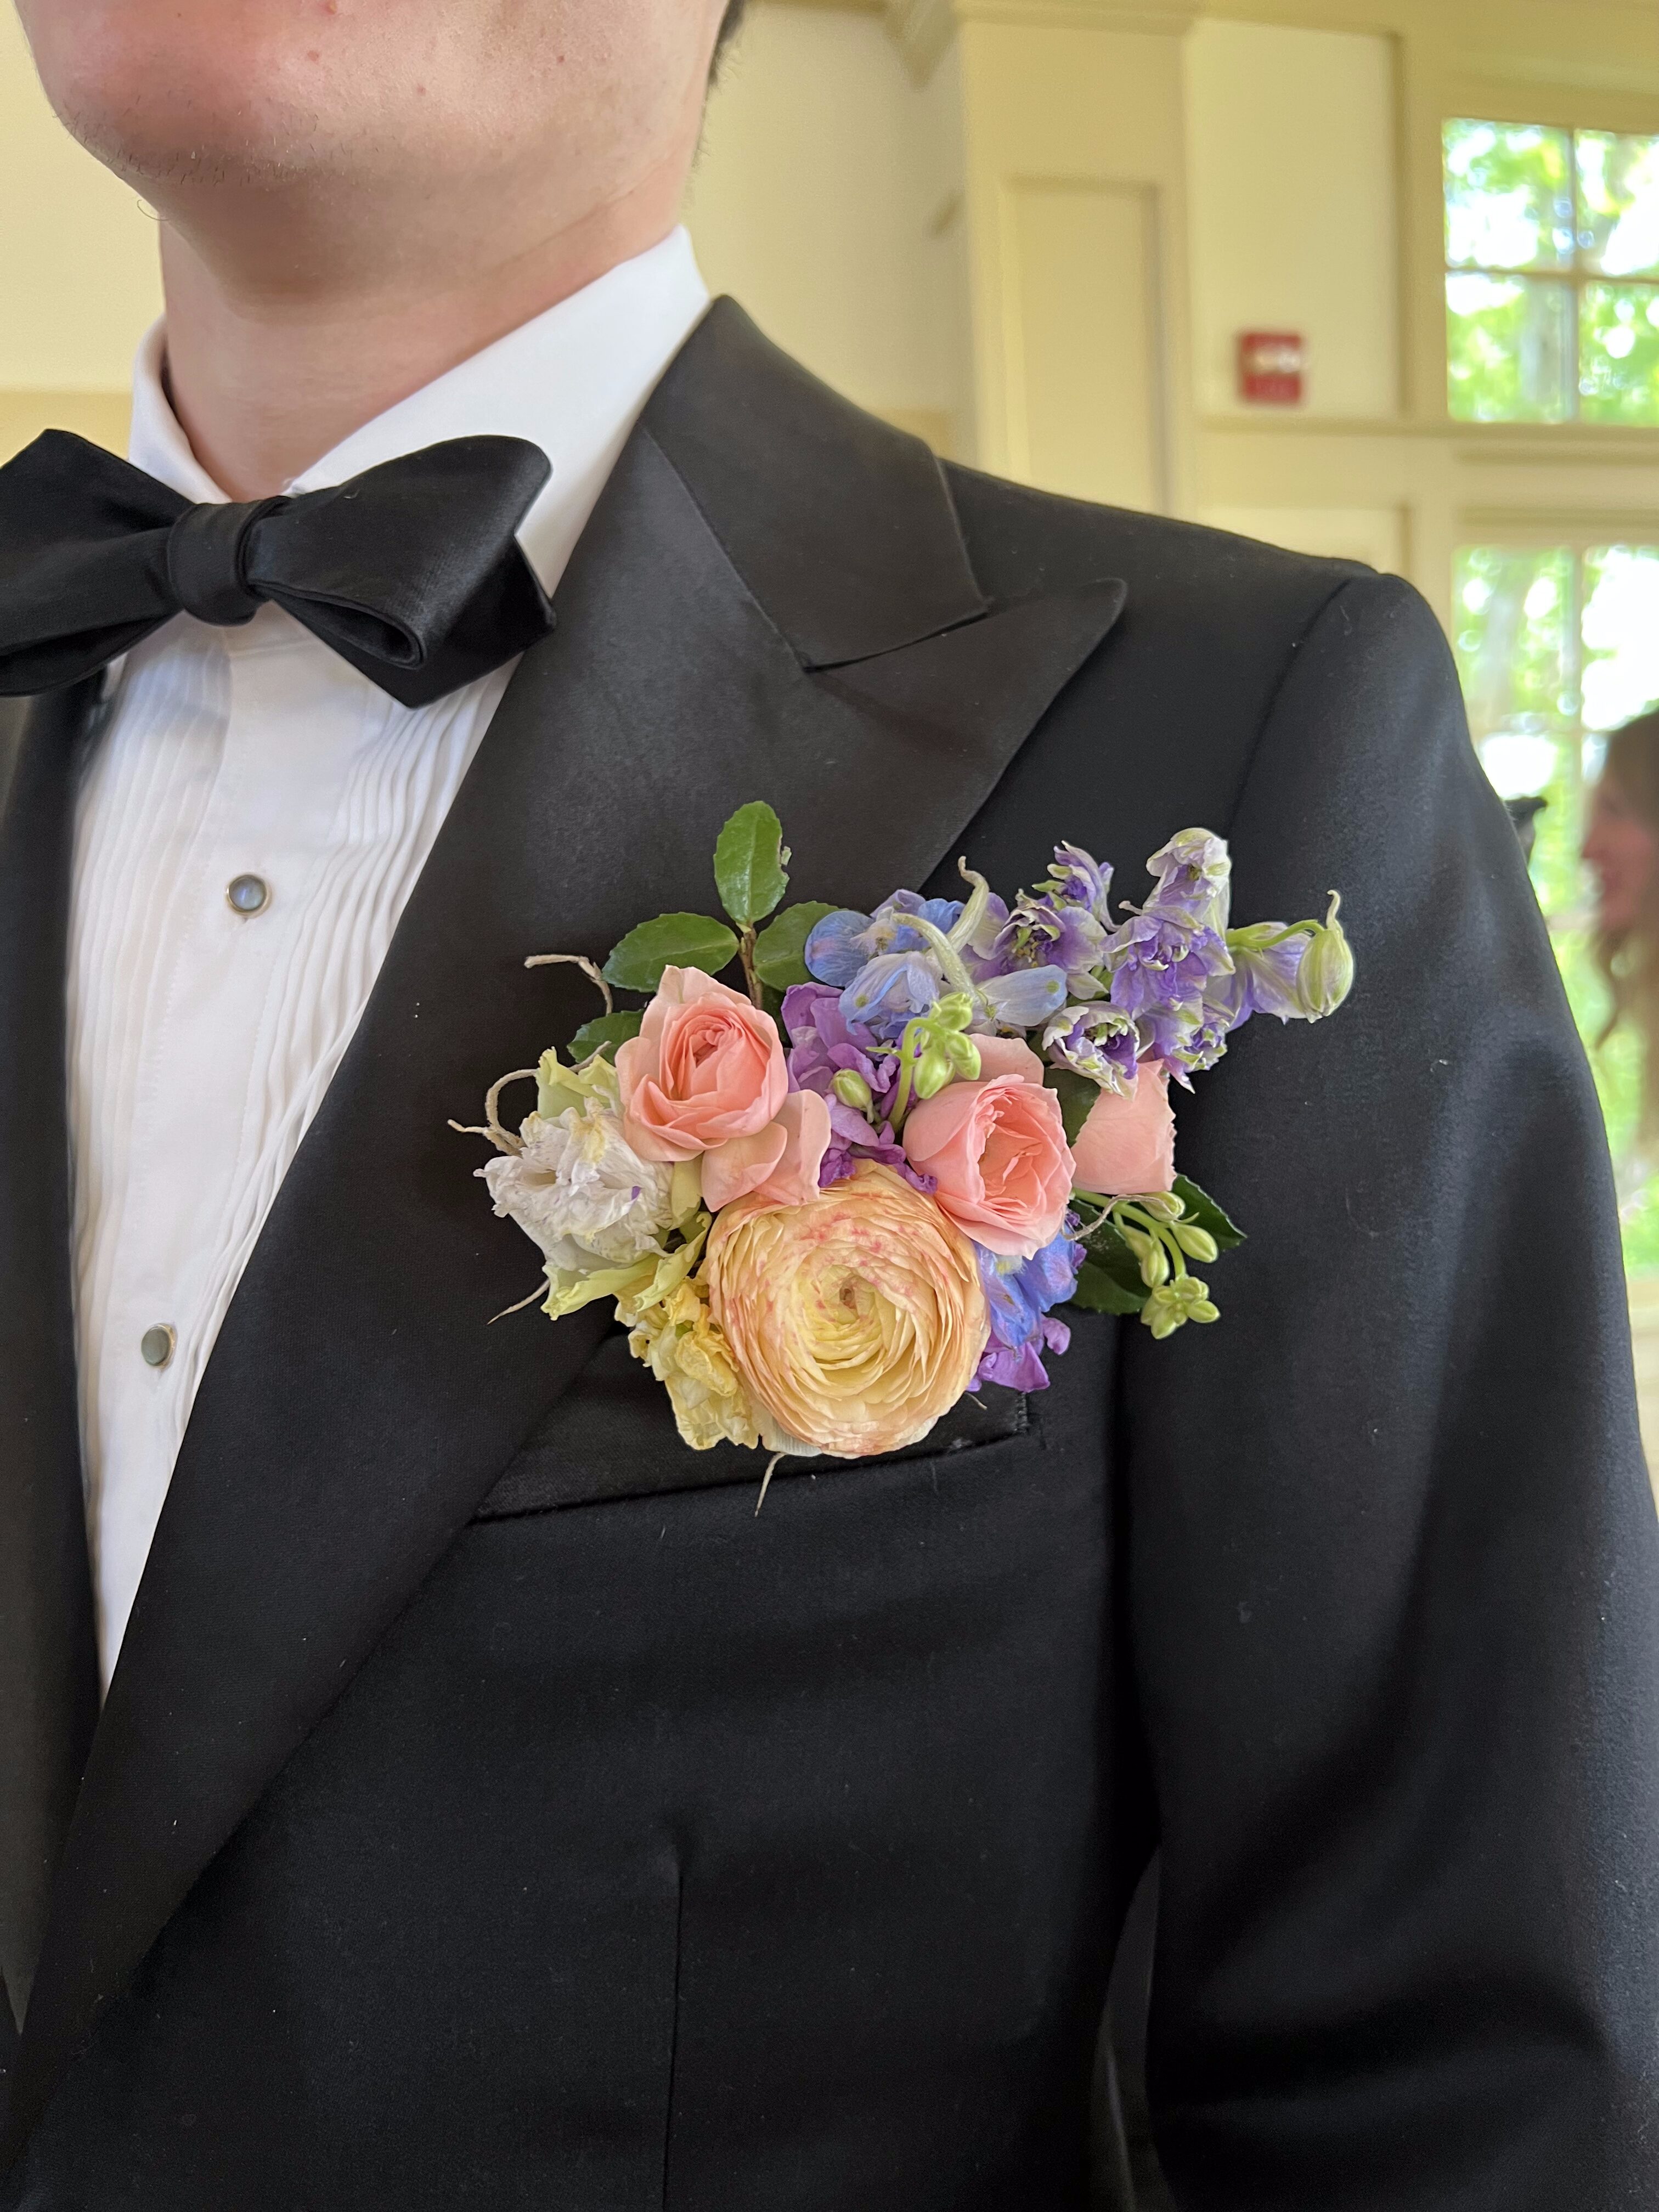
x=730, y=23
x=1629, y=958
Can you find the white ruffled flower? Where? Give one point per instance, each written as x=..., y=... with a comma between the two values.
x=581, y=1192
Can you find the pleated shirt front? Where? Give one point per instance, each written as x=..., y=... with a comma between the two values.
x=252, y=817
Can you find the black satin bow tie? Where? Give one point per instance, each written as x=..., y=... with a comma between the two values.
x=410, y=572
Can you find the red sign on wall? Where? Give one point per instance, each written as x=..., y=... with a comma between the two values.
x=1272, y=367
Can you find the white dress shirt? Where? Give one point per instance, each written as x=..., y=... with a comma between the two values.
x=202, y=1039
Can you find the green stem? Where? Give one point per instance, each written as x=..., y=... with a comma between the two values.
x=907, y=1057
x=956, y=972
x=1150, y=1226
x=746, y=954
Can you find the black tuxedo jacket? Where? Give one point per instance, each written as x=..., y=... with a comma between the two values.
x=489, y=1809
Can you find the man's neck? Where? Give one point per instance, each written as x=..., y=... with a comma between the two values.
x=267, y=379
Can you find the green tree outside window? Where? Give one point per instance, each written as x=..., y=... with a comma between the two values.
x=1552, y=274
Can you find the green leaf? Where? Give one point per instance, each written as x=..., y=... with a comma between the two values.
x=603, y=1028
x=1097, y=1292
x=749, y=857
x=1208, y=1215
x=780, y=950
x=1077, y=1097
x=673, y=940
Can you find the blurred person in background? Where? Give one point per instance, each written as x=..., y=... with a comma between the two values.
x=1621, y=846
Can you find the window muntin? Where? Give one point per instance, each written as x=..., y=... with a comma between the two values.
x=1552, y=274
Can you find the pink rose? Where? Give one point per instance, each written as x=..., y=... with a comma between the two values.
x=998, y=1150
x=780, y=1165
x=1126, y=1146
x=706, y=1068
x=1000, y=1055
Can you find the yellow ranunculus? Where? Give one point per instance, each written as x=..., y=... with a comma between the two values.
x=685, y=1349
x=855, y=1320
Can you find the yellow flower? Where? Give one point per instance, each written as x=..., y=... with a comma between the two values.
x=680, y=1344
x=855, y=1320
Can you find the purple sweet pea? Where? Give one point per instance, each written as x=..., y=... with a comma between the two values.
x=823, y=1043
x=1018, y=1294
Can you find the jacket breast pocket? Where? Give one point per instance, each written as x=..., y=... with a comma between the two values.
x=610, y=1434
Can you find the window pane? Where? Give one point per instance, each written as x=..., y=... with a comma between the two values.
x=1621, y=634
x=1619, y=354
x=1619, y=203
x=1514, y=627
x=1509, y=196
x=1510, y=349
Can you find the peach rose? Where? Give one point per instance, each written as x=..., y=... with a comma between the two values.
x=997, y=1149
x=706, y=1068
x=854, y=1320
x=1126, y=1146
x=1001, y=1055
x=779, y=1163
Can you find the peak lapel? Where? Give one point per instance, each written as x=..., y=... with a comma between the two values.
x=48, y=1656
x=357, y=1406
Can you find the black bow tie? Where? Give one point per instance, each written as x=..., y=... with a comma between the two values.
x=410, y=572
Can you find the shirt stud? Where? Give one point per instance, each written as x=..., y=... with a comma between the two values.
x=247, y=895
x=158, y=1345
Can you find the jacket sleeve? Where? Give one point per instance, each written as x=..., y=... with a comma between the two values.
x=1394, y=1559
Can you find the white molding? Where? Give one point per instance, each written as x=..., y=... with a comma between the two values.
x=922, y=29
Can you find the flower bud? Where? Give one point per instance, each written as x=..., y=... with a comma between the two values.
x=1153, y=1258
x=1325, y=976
x=1197, y=1243
x=933, y=1072
x=850, y=1087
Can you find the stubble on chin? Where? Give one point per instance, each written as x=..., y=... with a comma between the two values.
x=283, y=147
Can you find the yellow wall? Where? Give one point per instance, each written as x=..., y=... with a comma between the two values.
x=78, y=282
x=825, y=199
x=1291, y=135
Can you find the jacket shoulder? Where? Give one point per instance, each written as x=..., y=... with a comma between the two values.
x=1022, y=541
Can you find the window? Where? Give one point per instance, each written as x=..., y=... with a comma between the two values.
x=1552, y=274
x=1559, y=644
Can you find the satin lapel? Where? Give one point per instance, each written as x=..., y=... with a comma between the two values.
x=48, y=1655
x=358, y=1407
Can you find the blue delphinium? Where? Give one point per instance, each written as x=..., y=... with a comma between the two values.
x=1018, y=1294
x=844, y=942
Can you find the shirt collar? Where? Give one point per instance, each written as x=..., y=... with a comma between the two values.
x=572, y=382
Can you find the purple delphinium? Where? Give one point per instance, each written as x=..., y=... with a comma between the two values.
x=1264, y=977
x=1159, y=965
x=1082, y=880
x=1018, y=1294
x=1099, y=1042
x=1192, y=881
x=823, y=1043
x=1062, y=924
